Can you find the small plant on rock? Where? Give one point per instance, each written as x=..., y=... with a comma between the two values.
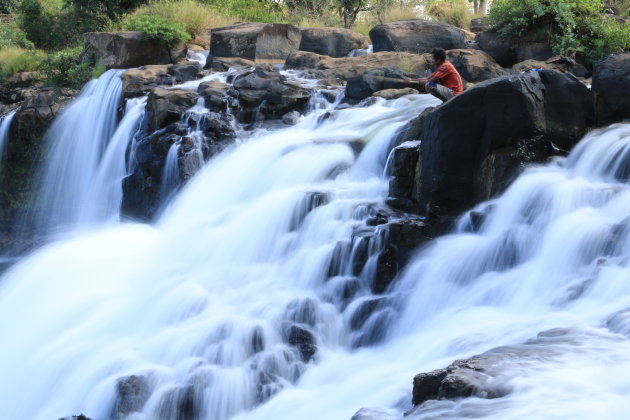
x=165, y=31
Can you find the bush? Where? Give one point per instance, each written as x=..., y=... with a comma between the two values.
x=452, y=12
x=194, y=16
x=165, y=31
x=67, y=68
x=15, y=59
x=577, y=26
x=47, y=28
x=12, y=36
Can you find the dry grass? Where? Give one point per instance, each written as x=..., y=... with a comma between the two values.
x=196, y=17
x=453, y=12
x=16, y=59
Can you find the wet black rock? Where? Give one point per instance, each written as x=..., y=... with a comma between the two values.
x=365, y=85
x=185, y=72
x=515, y=119
x=132, y=392
x=611, y=84
x=166, y=106
x=303, y=340
x=79, y=417
x=180, y=404
x=497, y=48
x=461, y=378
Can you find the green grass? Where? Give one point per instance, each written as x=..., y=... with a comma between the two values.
x=15, y=59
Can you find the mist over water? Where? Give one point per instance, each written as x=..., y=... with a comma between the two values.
x=196, y=317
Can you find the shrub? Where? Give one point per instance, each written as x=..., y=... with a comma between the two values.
x=12, y=36
x=163, y=30
x=452, y=12
x=15, y=59
x=577, y=26
x=249, y=10
x=67, y=68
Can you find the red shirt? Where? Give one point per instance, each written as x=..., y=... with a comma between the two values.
x=448, y=76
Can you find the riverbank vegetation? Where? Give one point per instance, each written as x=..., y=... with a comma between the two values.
x=40, y=34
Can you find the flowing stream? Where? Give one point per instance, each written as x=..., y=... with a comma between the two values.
x=226, y=309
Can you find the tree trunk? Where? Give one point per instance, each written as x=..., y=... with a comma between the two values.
x=476, y=6
x=482, y=7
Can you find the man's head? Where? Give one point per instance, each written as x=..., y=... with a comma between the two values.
x=439, y=56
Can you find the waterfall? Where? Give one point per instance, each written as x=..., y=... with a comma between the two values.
x=5, y=125
x=221, y=305
x=170, y=174
x=240, y=302
x=85, y=146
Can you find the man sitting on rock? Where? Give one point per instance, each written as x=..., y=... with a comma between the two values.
x=445, y=82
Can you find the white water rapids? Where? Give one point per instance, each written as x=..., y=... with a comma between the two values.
x=192, y=313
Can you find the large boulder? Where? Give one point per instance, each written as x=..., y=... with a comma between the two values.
x=497, y=48
x=474, y=65
x=122, y=50
x=334, y=42
x=611, y=87
x=511, y=114
x=348, y=67
x=261, y=42
x=417, y=36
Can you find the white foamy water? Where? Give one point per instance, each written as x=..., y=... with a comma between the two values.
x=203, y=308
x=5, y=124
x=197, y=317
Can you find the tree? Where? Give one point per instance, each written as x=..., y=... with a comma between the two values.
x=349, y=10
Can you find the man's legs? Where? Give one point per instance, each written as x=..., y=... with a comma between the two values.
x=441, y=92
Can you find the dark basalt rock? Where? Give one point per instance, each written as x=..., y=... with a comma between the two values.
x=460, y=379
x=79, y=417
x=303, y=340
x=365, y=85
x=166, y=106
x=123, y=50
x=474, y=65
x=138, y=82
x=334, y=42
x=184, y=72
x=500, y=50
x=132, y=393
x=255, y=41
x=522, y=114
x=611, y=84
x=417, y=36
x=266, y=94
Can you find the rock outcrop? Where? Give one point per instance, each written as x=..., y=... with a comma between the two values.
x=365, y=85
x=261, y=42
x=122, y=50
x=334, y=42
x=500, y=124
x=165, y=106
x=417, y=36
x=611, y=88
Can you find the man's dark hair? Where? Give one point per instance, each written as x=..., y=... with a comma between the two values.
x=438, y=54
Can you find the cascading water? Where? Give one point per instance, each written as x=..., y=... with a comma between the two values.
x=226, y=308
x=76, y=182
x=221, y=305
x=5, y=124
